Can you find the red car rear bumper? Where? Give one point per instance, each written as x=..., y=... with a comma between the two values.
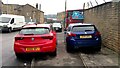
x=46, y=47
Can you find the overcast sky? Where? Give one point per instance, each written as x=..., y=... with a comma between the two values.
x=54, y=6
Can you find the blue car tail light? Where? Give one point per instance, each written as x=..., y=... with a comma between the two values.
x=97, y=33
x=71, y=35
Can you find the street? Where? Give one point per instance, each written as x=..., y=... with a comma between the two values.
x=8, y=56
x=62, y=59
x=88, y=34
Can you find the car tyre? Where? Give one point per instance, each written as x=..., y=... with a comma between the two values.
x=9, y=30
x=98, y=49
x=53, y=53
x=61, y=30
x=68, y=48
x=18, y=55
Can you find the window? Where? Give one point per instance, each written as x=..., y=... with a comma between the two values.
x=83, y=28
x=4, y=20
x=12, y=21
x=34, y=31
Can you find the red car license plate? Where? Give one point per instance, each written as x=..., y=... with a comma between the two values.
x=33, y=49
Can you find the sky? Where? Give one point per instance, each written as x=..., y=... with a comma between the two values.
x=55, y=6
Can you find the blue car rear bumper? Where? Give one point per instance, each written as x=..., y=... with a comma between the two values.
x=83, y=43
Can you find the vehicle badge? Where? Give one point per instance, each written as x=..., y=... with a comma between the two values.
x=32, y=39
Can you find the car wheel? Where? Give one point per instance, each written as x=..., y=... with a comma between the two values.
x=53, y=53
x=68, y=48
x=61, y=30
x=98, y=49
x=9, y=30
x=19, y=56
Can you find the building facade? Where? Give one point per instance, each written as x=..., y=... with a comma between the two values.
x=31, y=13
x=61, y=16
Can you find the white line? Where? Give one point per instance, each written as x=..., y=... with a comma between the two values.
x=32, y=63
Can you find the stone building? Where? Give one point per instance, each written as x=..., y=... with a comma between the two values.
x=31, y=13
x=61, y=16
x=0, y=7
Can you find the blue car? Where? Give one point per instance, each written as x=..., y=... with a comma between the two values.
x=80, y=35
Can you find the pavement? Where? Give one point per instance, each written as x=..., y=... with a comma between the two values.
x=106, y=58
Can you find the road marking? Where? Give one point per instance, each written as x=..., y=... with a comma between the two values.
x=32, y=63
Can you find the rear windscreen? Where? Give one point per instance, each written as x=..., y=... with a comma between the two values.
x=83, y=28
x=34, y=31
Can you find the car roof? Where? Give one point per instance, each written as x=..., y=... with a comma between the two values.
x=77, y=24
x=37, y=25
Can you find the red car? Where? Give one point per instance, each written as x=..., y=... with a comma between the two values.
x=36, y=38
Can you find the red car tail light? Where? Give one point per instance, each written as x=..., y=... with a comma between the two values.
x=47, y=37
x=18, y=38
x=71, y=34
x=97, y=34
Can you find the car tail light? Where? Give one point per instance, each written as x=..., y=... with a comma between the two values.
x=47, y=37
x=97, y=34
x=18, y=38
x=71, y=34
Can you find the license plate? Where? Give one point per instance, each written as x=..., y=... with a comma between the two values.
x=33, y=49
x=87, y=36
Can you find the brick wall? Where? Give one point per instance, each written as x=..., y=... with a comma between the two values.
x=106, y=17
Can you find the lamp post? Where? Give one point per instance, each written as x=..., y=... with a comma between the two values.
x=65, y=17
x=65, y=12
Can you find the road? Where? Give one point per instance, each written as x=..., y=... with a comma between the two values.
x=76, y=59
x=8, y=56
x=62, y=59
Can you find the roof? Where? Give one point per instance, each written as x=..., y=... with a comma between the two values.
x=30, y=6
x=10, y=15
x=76, y=24
x=37, y=25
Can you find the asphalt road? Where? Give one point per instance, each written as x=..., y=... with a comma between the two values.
x=62, y=59
x=8, y=56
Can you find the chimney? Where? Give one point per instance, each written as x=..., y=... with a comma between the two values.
x=40, y=7
x=37, y=5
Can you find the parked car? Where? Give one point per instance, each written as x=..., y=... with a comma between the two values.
x=57, y=27
x=82, y=35
x=11, y=22
x=36, y=38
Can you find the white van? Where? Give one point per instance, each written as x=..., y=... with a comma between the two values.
x=57, y=27
x=11, y=22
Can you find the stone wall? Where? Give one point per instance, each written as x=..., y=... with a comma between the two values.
x=106, y=18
